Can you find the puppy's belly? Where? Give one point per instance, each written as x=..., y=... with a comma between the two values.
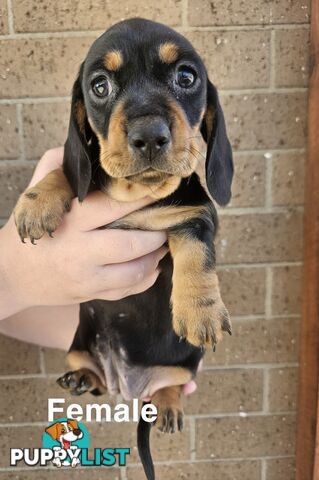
x=133, y=381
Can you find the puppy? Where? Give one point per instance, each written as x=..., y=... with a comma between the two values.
x=141, y=100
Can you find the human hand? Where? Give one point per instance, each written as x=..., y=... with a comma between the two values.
x=81, y=262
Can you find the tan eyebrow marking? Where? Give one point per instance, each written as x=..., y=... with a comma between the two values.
x=113, y=60
x=168, y=52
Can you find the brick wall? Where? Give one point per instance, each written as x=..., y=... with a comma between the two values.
x=241, y=423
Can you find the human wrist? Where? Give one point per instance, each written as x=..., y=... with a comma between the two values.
x=12, y=299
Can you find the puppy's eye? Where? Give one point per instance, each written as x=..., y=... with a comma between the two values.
x=185, y=77
x=101, y=86
x=63, y=430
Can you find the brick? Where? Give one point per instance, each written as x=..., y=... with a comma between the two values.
x=40, y=474
x=4, y=28
x=45, y=126
x=31, y=397
x=253, y=238
x=281, y=469
x=32, y=16
x=9, y=144
x=283, y=389
x=235, y=59
x=42, y=66
x=220, y=12
x=248, y=188
x=18, y=437
x=164, y=447
x=54, y=360
x=286, y=290
x=245, y=437
x=13, y=180
x=288, y=178
x=246, y=470
x=258, y=341
x=265, y=121
x=226, y=391
x=292, y=58
x=243, y=289
x=18, y=357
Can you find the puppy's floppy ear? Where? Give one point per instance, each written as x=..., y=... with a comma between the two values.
x=219, y=158
x=77, y=162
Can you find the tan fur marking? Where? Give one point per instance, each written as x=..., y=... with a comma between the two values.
x=79, y=360
x=198, y=310
x=80, y=115
x=169, y=406
x=40, y=209
x=160, y=218
x=168, y=52
x=117, y=160
x=113, y=60
x=123, y=190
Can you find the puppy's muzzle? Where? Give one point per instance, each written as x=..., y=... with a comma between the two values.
x=149, y=138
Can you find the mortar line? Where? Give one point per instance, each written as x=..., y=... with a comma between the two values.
x=266, y=391
x=235, y=366
x=211, y=416
x=42, y=361
x=263, y=469
x=268, y=294
x=10, y=18
x=222, y=92
x=184, y=6
x=268, y=181
x=251, y=210
x=272, y=60
x=229, y=266
x=187, y=28
x=250, y=366
x=168, y=462
x=192, y=437
x=123, y=473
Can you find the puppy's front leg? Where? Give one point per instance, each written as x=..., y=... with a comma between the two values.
x=199, y=314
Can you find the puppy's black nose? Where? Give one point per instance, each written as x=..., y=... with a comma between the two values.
x=149, y=136
x=77, y=432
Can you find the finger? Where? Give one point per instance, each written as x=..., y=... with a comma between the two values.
x=98, y=209
x=128, y=274
x=51, y=160
x=114, y=295
x=189, y=388
x=106, y=247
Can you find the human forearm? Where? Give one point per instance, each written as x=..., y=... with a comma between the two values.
x=45, y=326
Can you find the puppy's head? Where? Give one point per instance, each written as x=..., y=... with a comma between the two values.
x=141, y=98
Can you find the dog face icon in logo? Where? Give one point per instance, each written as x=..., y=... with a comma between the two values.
x=66, y=438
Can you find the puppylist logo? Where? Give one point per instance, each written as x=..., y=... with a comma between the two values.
x=65, y=443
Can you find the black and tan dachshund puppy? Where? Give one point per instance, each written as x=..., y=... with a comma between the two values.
x=141, y=99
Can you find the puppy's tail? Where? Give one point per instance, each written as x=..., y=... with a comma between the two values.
x=143, y=445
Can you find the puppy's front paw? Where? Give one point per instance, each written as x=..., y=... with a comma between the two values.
x=40, y=211
x=200, y=320
x=169, y=410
